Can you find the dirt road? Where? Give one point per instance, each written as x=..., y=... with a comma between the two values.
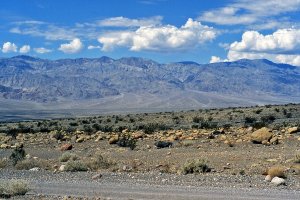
x=113, y=190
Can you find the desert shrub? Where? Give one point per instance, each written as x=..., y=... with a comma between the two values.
x=198, y=119
x=268, y=119
x=208, y=124
x=85, y=122
x=3, y=163
x=258, y=111
x=150, y=128
x=74, y=166
x=17, y=155
x=58, y=135
x=288, y=115
x=106, y=128
x=258, y=125
x=31, y=163
x=276, y=171
x=196, y=126
x=250, y=120
x=12, y=132
x=13, y=188
x=68, y=156
x=127, y=141
x=167, y=168
x=99, y=162
x=73, y=124
x=195, y=166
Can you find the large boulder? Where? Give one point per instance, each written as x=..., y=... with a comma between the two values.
x=163, y=144
x=293, y=130
x=278, y=181
x=260, y=135
x=113, y=139
x=66, y=147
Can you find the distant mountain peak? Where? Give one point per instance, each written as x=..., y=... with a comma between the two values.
x=94, y=78
x=106, y=59
x=26, y=57
x=188, y=63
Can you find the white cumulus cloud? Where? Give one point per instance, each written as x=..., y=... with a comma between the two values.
x=42, y=50
x=281, y=41
x=90, y=47
x=73, y=47
x=24, y=49
x=262, y=14
x=282, y=46
x=9, y=47
x=127, y=22
x=160, y=38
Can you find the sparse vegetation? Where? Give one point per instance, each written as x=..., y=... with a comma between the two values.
x=276, y=171
x=68, y=156
x=13, y=188
x=99, y=162
x=28, y=164
x=127, y=141
x=77, y=165
x=17, y=155
x=195, y=166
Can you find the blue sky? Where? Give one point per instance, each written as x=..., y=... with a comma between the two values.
x=163, y=30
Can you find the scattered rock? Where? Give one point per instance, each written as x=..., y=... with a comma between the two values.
x=261, y=135
x=97, y=176
x=66, y=147
x=127, y=168
x=4, y=146
x=62, y=168
x=163, y=144
x=268, y=178
x=278, y=181
x=293, y=130
x=35, y=169
x=239, y=141
x=272, y=160
x=80, y=139
x=113, y=139
x=274, y=140
x=218, y=132
x=137, y=135
x=265, y=142
x=222, y=137
x=100, y=137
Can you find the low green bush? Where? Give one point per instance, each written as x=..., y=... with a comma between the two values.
x=65, y=157
x=74, y=166
x=12, y=188
x=195, y=166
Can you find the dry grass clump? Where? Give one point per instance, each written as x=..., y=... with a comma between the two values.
x=3, y=163
x=297, y=158
x=99, y=162
x=32, y=163
x=276, y=171
x=76, y=166
x=13, y=188
x=65, y=157
x=195, y=166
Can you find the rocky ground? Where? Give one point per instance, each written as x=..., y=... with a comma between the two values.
x=236, y=156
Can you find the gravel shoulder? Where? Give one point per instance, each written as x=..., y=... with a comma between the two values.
x=48, y=185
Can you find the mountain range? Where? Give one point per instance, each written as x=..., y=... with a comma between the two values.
x=96, y=85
